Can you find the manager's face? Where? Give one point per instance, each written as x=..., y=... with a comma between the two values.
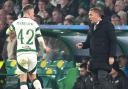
x=93, y=16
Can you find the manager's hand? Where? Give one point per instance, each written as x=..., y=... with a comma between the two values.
x=79, y=45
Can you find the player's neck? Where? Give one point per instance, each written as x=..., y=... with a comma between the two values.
x=26, y=16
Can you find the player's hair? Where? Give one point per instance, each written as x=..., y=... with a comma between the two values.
x=27, y=7
x=83, y=65
x=97, y=10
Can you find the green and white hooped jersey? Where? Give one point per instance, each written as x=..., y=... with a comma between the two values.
x=26, y=32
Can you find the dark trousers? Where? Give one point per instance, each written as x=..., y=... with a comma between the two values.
x=101, y=80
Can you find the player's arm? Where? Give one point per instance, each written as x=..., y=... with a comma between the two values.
x=42, y=43
x=41, y=40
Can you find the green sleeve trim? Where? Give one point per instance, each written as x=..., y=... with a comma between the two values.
x=10, y=29
x=13, y=27
x=37, y=29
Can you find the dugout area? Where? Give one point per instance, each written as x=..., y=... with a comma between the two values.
x=59, y=69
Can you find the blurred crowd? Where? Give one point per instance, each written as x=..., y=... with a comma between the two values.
x=57, y=12
x=67, y=12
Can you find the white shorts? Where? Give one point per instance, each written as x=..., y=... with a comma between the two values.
x=26, y=63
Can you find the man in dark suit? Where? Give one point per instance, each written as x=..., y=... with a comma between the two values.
x=101, y=40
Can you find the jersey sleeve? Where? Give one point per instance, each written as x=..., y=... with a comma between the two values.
x=10, y=29
x=40, y=38
x=38, y=32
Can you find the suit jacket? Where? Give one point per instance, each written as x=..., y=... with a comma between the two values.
x=120, y=82
x=102, y=44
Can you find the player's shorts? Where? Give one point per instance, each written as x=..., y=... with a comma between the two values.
x=26, y=63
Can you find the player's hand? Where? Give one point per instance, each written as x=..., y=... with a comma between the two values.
x=79, y=45
x=111, y=60
x=47, y=49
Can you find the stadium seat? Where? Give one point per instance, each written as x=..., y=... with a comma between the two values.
x=11, y=67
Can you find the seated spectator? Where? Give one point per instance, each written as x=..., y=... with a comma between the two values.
x=42, y=5
x=3, y=15
x=68, y=7
x=119, y=80
x=115, y=19
x=68, y=22
x=119, y=9
x=71, y=17
x=57, y=17
x=123, y=17
x=47, y=16
x=10, y=18
x=82, y=17
x=38, y=19
x=9, y=7
x=123, y=62
x=84, y=81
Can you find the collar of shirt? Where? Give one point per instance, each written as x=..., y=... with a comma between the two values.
x=96, y=24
